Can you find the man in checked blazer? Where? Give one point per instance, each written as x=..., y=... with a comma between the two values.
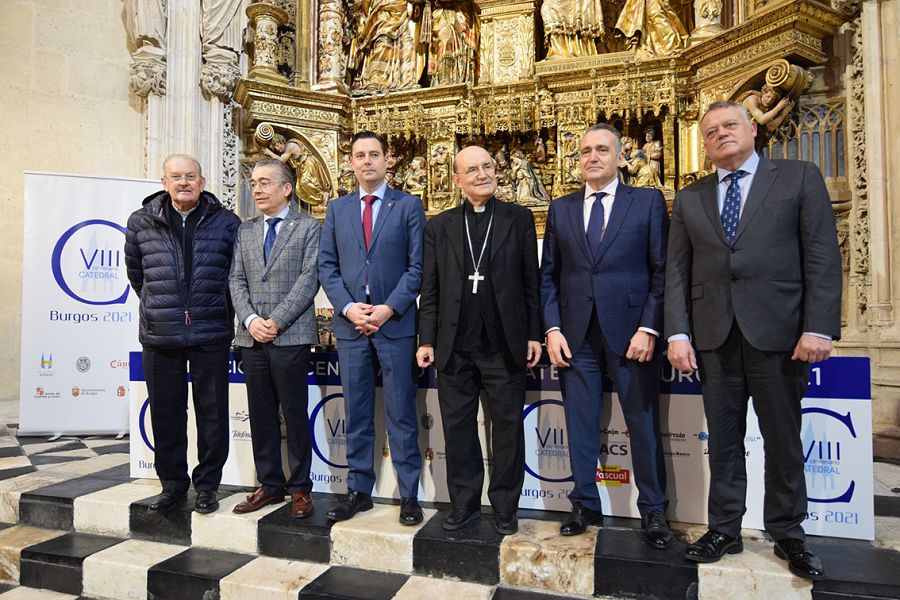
x=273, y=283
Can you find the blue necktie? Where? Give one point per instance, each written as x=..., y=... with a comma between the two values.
x=595, y=224
x=731, y=207
x=270, y=237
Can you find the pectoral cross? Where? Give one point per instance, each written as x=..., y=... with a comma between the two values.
x=475, y=278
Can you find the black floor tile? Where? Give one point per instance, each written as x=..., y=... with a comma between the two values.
x=504, y=593
x=855, y=567
x=60, y=445
x=347, y=583
x=625, y=566
x=56, y=564
x=122, y=448
x=52, y=459
x=281, y=535
x=11, y=451
x=470, y=554
x=173, y=527
x=10, y=473
x=51, y=506
x=193, y=574
x=887, y=506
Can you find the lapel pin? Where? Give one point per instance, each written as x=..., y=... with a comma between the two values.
x=390, y=204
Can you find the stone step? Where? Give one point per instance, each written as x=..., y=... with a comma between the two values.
x=57, y=563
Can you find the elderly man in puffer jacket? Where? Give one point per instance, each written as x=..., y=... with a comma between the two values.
x=178, y=251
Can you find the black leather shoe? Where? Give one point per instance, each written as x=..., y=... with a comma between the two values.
x=656, y=531
x=506, y=523
x=353, y=503
x=579, y=519
x=459, y=519
x=410, y=512
x=207, y=501
x=166, y=502
x=801, y=561
x=712, y=546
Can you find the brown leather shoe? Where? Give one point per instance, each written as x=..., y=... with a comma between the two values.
x=301, y=505
x=256, y=501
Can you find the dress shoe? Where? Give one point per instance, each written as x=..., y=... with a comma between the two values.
x=801, y=561
x=712, y=546
x=301, y=505
x=410, y=512
x=579, y=519
x=353, y=503
x=207, y=501
x=166, y=502
x=506, y=523
x=460, y=519
x=256, y=501
x=656, y=530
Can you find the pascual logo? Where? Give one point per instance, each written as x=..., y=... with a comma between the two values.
x=546, y=421
x=83, y=364
x=329, y=439
x=47, y=362
x=613, y=475
x=827, y=437
x=88, y=263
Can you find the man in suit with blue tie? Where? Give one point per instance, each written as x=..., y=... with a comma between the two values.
x=370, y=265
x=753, y=283
x=602, y=294
x=273, y=284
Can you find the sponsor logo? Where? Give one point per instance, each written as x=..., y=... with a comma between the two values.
x=329, y=439
x=120, y=391
x=240, y=415
x=83, y=364
x=47, y=363
x=88, y=263
x=426, y=421
x=613, y=476
x=429, y=453
x=549, y=461
x=146, y=429
x=76, y=391
x=118, y=364
x=39, y=391
x=673, y=435
x=829, y=438
x=702, y=436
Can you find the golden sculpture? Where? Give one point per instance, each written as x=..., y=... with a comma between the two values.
x=346, y=177
x=450, y=31
x=383, y=51
x=313, y=184
x=653, y=152
x=768, y=109
x=641, y=172
x=572, y=27
x=654, y=25
x=529, y=189
x=415, y=179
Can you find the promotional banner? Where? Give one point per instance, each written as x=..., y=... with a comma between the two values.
x=79, y=315
x=836, y=434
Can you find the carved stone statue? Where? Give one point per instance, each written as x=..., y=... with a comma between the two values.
x=313, y=183
x=653, y=152
x=346, y=177
x=572, y=27
x=147, y=22
x=440, y=178
x=627, y=155
x=529, y=189
x=653, y=25
x=383, y=51
x=768, y=109
x=450, y=30
x=415, y=179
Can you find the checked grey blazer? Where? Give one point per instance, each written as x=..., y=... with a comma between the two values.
x=282, y=290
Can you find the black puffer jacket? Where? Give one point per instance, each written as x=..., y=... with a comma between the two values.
x=172, y=314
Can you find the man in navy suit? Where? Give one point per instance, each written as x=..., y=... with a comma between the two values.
x=602, y=292
x=370, y=264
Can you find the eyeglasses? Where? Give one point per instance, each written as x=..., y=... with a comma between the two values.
x=487, y=168
x=264, y=184
x=190, y=178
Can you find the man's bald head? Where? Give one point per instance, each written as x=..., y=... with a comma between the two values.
x=475, y=174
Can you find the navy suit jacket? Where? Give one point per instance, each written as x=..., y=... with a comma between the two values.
x=392, y=266
x=624, y=284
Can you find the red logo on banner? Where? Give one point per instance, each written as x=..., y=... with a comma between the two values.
x=613, y=475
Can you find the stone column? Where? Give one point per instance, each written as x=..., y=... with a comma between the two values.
x=266, y=19
x=304, y=36
x=331, y=60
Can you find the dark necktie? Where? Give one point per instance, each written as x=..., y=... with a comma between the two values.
x=270, y=237
x=731, y=207
x=367, y=219
x=595, y=223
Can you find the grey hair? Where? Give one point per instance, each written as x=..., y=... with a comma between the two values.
x=284, y=171
x=172, y=157
x=720, y=104
x=609, y=128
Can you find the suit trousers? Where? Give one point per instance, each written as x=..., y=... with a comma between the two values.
x=731, y=374
x=166, y=372
x=276, y=376
x=459, y=388
x=359, y=359
x=637, y=385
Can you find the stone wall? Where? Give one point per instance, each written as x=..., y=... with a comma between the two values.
x=66, y=109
